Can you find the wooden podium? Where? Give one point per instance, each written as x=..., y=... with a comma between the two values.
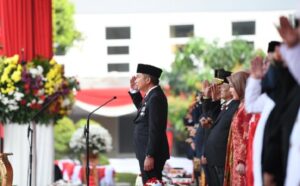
x=6, y=171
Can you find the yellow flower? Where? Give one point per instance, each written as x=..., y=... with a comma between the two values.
x=19, y=67
x=52, y=62
x=7, y=90
x=16, y=76
x=15, y=59
x=4, y=78
x=12, y=60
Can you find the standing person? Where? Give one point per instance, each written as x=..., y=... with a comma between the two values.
x=150, y=139
x=290, y=54
x=235, y=165
x=277, y=128
x=215, y=149
x=259, y=99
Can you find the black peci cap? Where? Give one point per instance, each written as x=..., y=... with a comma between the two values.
x=272, y=45
x=221, y=75
x=149, y=69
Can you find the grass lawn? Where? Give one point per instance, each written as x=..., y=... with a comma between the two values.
x=126, y=177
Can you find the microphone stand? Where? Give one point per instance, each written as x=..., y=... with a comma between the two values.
x=30, y=133
x=86, y=133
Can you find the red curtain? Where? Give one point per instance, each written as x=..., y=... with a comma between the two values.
x=26, y=25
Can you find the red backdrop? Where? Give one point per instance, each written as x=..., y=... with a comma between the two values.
x=26, y=24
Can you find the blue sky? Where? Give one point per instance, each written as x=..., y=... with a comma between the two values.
x=157, y=6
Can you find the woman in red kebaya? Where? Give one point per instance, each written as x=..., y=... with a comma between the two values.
x=235, y=165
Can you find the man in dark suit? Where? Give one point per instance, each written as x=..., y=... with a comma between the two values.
x=216, y=140
x=150, y=140
x=216, y=144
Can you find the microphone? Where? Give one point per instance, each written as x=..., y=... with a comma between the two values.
x=113, y=98
x=86, y=133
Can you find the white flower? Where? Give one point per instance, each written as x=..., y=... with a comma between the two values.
x=5, y=100
x=66, y=102
x=41, y=92
x=38, y=71
x=18, y=96
x=12, y=102
x=99, y=140
x=40, y=101
x=13, y=107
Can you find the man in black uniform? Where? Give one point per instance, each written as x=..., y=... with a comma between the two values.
x=150, y=139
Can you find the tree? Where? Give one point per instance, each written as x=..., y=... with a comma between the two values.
x=234, y=53
x=184, y=74
x=197, y=59
x=64, y=32
x=63, y=131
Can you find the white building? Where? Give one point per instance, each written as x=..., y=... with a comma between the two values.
x=119, y=34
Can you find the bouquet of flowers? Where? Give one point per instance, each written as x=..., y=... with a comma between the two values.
x=154, y=182
x=35, y=90
x=99, y=140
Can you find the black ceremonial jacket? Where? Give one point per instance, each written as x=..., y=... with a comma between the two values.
x=150, y=125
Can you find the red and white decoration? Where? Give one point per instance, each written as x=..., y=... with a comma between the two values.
x=73, y=172
x=89, y=99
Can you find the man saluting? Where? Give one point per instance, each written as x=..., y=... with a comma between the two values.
x=150, y=140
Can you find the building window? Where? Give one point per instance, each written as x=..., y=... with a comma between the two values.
x=243, y=28
x=111, y=50
x=251, y=44
x=181, y=31
x=118, y=67
x=117, y=32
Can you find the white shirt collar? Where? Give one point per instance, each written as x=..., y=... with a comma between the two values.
x=150, y=90
x=228, y=102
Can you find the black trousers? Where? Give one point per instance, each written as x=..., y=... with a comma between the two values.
x=156, y=172
x=216, y=174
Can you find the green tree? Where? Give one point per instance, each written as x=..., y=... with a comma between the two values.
x=64, y=31
x=184, y=74
x=197, y=59
x=63, y=131
x=178, y=106
x=234, y=54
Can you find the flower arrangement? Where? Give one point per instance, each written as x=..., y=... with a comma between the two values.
x=154, y=182
x=35, y=90
x=99, y=140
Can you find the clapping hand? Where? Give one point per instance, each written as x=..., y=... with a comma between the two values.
x=206, y=89
x=287, y=32
x=215, y=92
x=203, y=160
x=256, y=69
x=269, y=179
x=206, y=122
